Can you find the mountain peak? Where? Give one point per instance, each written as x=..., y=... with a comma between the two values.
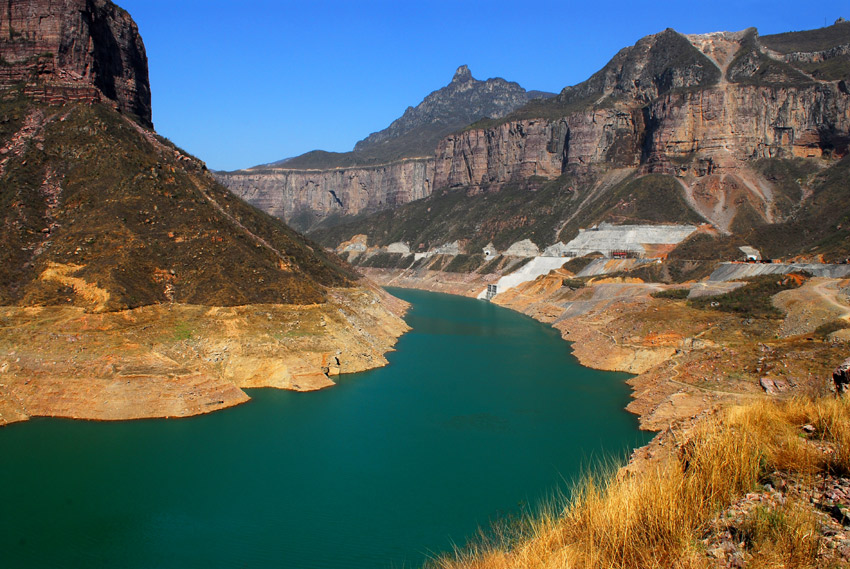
x=462, y=74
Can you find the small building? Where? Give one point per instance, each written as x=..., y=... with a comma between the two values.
x=492, y=290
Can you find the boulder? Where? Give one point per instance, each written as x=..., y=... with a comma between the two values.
x=841, y=376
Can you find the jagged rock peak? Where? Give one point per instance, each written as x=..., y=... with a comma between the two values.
x=65, y=50
x=462, y=75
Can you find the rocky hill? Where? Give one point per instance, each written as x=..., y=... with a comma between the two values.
x=124, y=246
x=743, y=133
x=386, y=169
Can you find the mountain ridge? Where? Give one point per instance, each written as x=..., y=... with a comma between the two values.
x=700, y=124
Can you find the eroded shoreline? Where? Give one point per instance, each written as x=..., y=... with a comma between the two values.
x=183, y=360
x=687, y=363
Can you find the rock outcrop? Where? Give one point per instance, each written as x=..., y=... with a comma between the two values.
x=301, y=196
x=841, y=376
x=680, y=132
x=69, y=50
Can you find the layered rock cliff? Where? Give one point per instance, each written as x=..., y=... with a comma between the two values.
x=75, y=50
x=704, y=117
x=303, y=196
x=720, y=124
x=386, y=169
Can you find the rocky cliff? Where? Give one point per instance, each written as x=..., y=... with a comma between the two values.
x=302, y=197
x=697, y=107
x=386, y=169
x=131, y=283
x=749, y=134
x=75, y=50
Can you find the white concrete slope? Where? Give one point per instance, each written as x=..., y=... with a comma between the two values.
x=606, y=237
x=528, y=272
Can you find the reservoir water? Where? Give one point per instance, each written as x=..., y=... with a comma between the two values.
x=480, y=411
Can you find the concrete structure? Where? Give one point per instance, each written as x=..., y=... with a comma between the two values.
x=490, y=251
x=557, y=250
x=750, y=253
x=536, y=267
x=734, y=271
x=628, y=240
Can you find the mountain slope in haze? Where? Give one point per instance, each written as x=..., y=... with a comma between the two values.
x=745, y=134
x=132, y=284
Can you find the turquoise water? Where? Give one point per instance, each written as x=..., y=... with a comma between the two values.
x=480, y=411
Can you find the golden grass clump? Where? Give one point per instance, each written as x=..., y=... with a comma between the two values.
x=658, y=518
x=781, y=537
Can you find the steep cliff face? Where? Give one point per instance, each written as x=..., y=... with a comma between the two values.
x=651, y=111
x=303, y=196
x=538, y=147
x=749, y=121
x=75, y=50
x=386, y=169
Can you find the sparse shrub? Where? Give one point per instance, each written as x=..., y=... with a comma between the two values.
x=753, y=300
x=573, y=284
x=825, y=330
x=658, y=517
x=672, y=293
x=465, y=263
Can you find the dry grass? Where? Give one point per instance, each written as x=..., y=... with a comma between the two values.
x=781, y=537
x=658, y=518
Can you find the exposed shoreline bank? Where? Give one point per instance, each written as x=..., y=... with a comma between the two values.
x=176, y=360
x=687, y=363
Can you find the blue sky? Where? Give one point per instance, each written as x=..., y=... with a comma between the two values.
x=249, y=82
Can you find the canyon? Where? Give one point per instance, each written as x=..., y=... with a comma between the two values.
x=702, y=109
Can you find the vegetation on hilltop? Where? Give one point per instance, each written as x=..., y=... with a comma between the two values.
x=754, y=299
x=752, y=66
x=809, y=41
x=655, y=65
x=99, y=214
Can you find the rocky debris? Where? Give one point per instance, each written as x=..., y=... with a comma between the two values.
x=773, y=386
x=71, y=50
x=524, y=248
x=841, y=376
x=727, y=541
x=453, y=248
x=398, y=247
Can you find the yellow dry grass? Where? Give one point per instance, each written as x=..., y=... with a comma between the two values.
x=658, y=518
